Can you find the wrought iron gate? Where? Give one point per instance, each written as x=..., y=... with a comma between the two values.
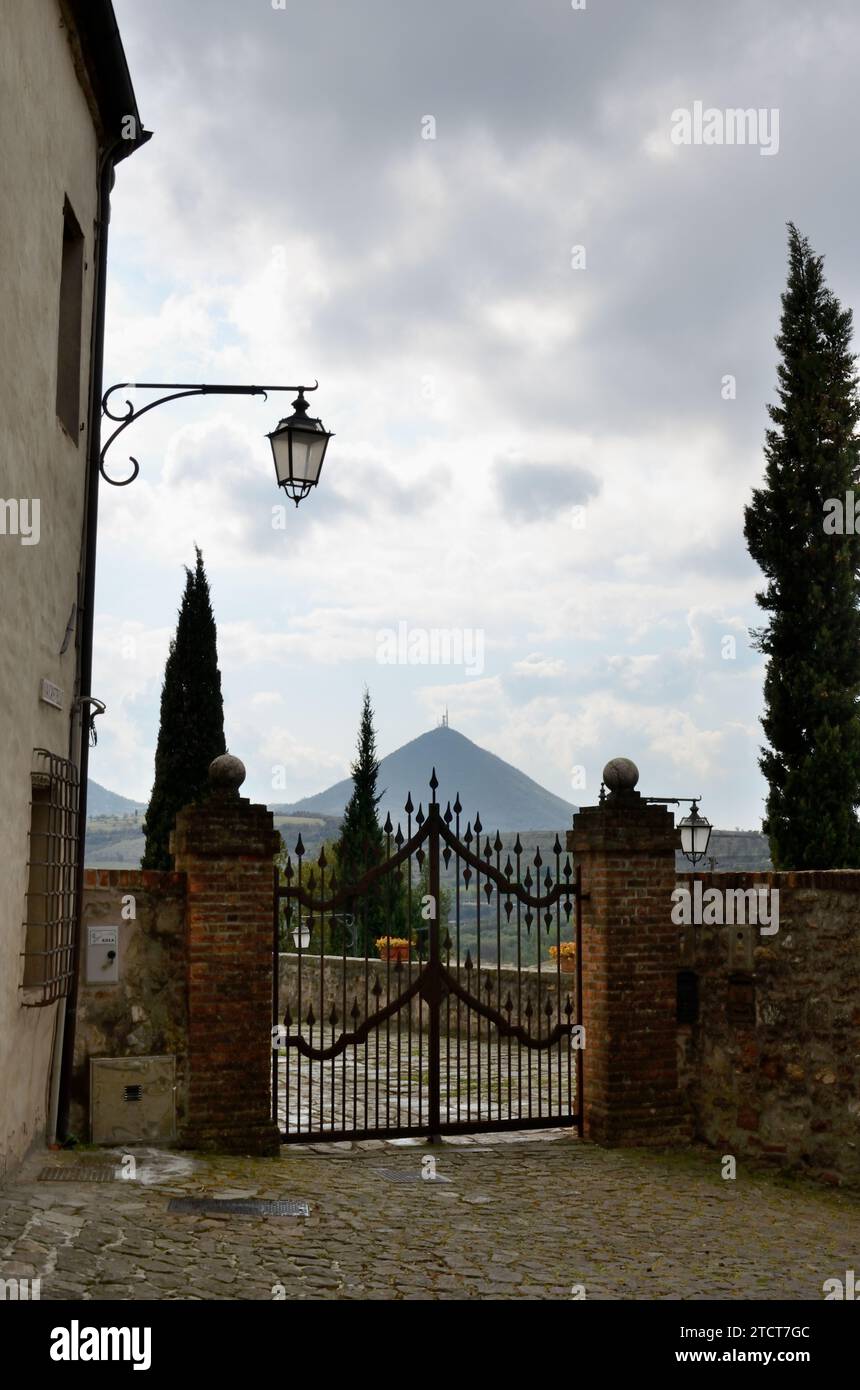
x=476, y=1029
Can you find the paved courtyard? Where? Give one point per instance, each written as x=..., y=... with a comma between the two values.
x=505, y=1218
x=386, y=1084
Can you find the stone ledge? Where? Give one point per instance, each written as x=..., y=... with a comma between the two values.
x=829, y=880
x=157, y=880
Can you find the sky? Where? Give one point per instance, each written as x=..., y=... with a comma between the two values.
x=543, y=331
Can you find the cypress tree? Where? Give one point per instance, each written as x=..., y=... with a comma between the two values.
x=191, y=732
x=361, y=846
x=812, y=637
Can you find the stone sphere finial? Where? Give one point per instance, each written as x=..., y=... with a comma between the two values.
x=620, y=775
x=226, y=774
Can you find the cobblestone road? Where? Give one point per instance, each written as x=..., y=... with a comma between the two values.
x=517, y=1218
x=387, y=1087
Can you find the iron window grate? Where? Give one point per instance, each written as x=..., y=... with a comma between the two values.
x=52, y=888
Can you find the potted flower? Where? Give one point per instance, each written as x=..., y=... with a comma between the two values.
x=393, y=947
x=565, y=954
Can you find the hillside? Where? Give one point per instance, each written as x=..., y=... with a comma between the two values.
x=506, y=798
x=101, y=802
x=116, y=842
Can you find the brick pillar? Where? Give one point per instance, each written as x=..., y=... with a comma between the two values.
x=224, y=846
x=626, y=849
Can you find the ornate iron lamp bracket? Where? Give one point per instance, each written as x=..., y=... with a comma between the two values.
x=176, y=390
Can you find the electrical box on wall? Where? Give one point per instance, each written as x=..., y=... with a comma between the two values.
x=102, y=955
x=132, y=1100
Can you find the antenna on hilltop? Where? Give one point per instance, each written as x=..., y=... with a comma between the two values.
x=443, y=722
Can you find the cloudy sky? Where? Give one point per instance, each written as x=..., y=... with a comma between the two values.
x=522, y=299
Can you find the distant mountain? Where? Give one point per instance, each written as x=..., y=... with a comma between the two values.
x=739, y=851
x=101, y=802
x=505, y=797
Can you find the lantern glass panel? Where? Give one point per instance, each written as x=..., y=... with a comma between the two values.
x=308, y=450
x=701, y=836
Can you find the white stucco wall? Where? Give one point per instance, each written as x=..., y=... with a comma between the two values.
x=49, y=153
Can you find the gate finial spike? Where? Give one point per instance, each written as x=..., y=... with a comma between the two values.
x=434, y=782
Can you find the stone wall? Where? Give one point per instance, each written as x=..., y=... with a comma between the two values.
x=772, y=1067
x=335, y=972
x=769, y=1069
x=145, y=1013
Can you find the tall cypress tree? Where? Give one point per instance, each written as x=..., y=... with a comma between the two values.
x=191, y=732
x=812, y=638
x=361, y=846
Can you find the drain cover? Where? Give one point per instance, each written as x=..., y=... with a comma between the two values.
x=235, y=1207
x=88, y=1172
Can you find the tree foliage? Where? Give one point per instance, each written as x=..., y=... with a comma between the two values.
x=191, y=729
x=812, y=637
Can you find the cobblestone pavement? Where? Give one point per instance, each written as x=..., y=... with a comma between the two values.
x=386, y=1086
x=507, y=1217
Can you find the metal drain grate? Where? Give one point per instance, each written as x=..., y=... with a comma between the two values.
x=86, y=1172
x=409, y=1175
x=245, y=1207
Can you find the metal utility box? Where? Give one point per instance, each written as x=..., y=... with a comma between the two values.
x=132, y=1100
x=102, y=955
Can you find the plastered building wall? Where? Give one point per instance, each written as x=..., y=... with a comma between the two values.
x=49, y=154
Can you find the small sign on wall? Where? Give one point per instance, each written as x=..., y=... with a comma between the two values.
x=51, y=694
x=102, y=958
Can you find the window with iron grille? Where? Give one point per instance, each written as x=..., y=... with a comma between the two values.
x=51, y=917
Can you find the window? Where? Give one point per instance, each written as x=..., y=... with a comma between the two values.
x=69, y=332
x=52, y=882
